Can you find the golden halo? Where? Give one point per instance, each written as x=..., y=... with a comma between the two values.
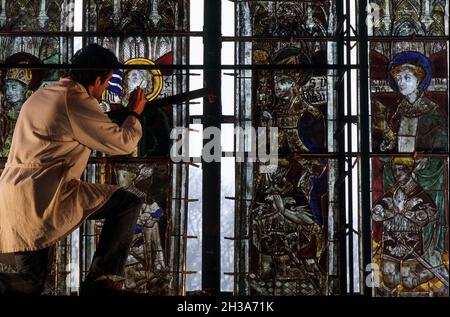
x=157, y=76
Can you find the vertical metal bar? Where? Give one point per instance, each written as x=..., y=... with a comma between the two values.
x=177, y=254
x=242, y=219
x=84, y=26
x=341, y=152
x=170, y=246
x=348, y=121
x=364, y=132
x=239, y=228
x=81, y=253
x=446, y=177
x=211, y=171
x=185, y=228
x=68, y=269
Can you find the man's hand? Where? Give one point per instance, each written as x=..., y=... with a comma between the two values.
x=137, y=101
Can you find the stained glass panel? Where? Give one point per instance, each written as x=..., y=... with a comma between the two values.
x=158, y=249
x=136, y=16
x=17, y=84
x=287, y=18
x=293, y=100
x=157, y=121
x=147, y=267
x=408, y=17
x=409, y=94
x=158, y=17
x=289, y=217
x=409, y=113
x=410, y=226
x=155, y=35
x=37, y=15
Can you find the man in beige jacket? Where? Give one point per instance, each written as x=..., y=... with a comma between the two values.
x=42, y=198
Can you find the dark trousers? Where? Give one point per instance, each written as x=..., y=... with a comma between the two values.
x=120, y=212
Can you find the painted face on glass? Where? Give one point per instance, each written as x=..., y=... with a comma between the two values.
x=15, y=92
x=125, y=178
x=402, y=173
x=136, y=78
x=284, y=86
x=407, y=82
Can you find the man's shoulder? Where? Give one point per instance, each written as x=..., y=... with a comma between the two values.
x=50, y=88
x=64, y=84
x=45, y=98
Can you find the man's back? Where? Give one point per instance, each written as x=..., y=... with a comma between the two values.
x=43, y=127
x=41, y=195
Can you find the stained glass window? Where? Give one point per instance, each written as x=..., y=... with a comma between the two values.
x=409, y=112
x=291, y=83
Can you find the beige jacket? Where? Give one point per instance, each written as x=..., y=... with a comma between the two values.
x=42, y=198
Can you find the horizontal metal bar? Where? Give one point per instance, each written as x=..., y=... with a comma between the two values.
x=403, y=154
x=290, y=39
x=237, y=238
x=184, y=236
x=313, y=2
x=334, y=38
x=182, y=66
x=182, y=74
x=73, y=66
x=115, y=160
x=184, y=96
x=185, y=199
x=412, y=38
x=131, y=160
x=223, y=118
x=238, y=199
x=90, y=235
x=306, y=38
x=197, y=159
x=195, y=165
x=180, y=272
x=314, y=155
x=99, y=33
